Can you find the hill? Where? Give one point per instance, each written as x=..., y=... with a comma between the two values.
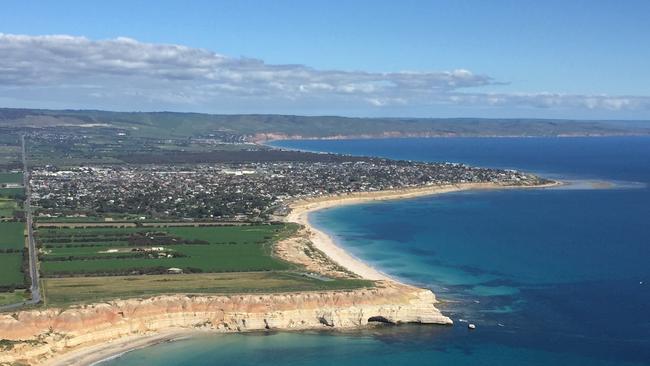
x=255, y=127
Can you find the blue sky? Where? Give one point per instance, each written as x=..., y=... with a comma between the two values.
x=571, y=59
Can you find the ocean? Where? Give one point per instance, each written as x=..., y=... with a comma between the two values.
x=549, y=276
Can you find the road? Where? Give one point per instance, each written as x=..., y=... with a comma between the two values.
x=31, y=243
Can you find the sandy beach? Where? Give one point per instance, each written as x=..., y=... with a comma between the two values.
x=105, y=351
x=300, y=211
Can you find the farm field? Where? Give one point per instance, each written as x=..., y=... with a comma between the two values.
x=197, y=258
x=9, y=155
x=76, y=263
x=65, y=291
x=7, y=207
x=10, y=270
x=121, y=251
x=9, y=177
x=13, y=235
x=12, y=192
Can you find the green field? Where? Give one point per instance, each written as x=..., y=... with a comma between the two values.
x=12, y=192
x=205, y=258
x=8, y=177
x=65, y=291
x=9, y=155
x=72, y=251
x=16, y=296
x=12, y=235
x=10, y=269
x=7, y=207
x=76, y=263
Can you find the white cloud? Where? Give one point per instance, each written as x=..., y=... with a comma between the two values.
x=553, y=100
x=73, y=68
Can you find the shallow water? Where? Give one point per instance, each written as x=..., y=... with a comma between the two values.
x=550, y=276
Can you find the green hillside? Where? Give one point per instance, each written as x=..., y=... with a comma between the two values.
x=179, y=125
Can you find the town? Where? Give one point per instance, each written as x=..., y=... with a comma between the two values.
x=252, y=191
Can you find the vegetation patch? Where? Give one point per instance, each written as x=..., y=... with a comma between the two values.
x=13, y=235
x=18, y=193
x=13, y=297
x=66, y=291
x=7, y=207
x=125, y=251
x=11, y=275
x=11, y=177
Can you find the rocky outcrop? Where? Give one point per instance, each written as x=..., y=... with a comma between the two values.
x=34, y=336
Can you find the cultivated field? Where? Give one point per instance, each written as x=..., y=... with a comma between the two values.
x=7, y=207
x=9, y=155
x=12, y=235
x=125, y=251
x=12, y=244
x=10, y=270
x=76, y=262
x=12, y=192
x=9, y=177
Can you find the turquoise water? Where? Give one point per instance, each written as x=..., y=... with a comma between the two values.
x=550, y=276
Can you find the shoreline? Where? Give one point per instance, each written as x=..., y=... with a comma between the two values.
x=265, y=139
x=94, y=354
x=301, y=209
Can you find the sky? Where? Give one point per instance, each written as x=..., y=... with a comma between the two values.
x=573, y=59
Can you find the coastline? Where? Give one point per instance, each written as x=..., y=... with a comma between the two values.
x=268, y=138
x=95, y=355
x=392, y=298
x=301, y=209
x=88, y=334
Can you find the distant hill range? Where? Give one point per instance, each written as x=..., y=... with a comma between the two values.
x=260, y=127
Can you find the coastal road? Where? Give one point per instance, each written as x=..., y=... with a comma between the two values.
x=31, y=243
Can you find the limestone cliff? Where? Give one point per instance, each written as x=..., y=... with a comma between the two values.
x=34, y=336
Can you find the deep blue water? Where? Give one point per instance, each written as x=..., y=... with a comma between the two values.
x=550, y=276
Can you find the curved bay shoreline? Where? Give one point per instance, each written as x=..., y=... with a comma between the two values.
x=391, y=300
x=301, y=209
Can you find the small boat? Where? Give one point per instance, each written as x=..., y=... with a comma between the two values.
x=471, y=326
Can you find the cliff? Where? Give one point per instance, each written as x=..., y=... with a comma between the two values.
x=33, y=337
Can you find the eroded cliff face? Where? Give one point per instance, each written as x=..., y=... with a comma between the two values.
x=37, y=335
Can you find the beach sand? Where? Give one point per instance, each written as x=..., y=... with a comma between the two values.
x=109, y=350
x=300, y=211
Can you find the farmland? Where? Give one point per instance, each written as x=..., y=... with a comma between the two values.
x=7, y=207
x=118, y=251
x=12, y=243
x=75, y=262
x=13, y=235
x=12, y=192
x=9, y=155
x=10, y=177
x=10, y=270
